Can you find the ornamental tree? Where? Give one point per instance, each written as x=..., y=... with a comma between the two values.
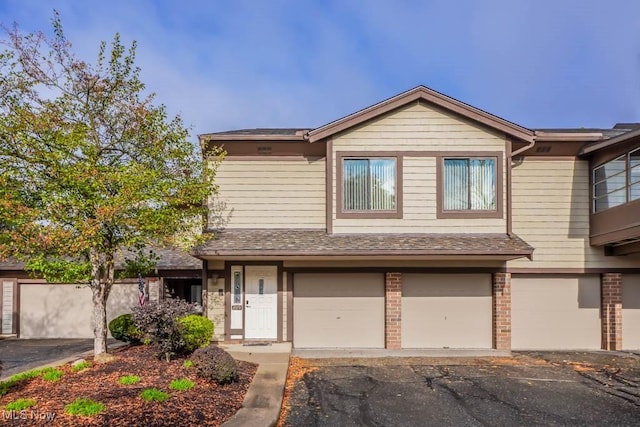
x=91, y=168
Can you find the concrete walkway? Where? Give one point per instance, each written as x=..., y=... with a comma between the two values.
x=262, y=403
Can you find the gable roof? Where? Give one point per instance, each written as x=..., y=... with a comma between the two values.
x=595, y=146
x=427, y=95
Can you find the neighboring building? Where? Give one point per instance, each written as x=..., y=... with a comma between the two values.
x=424, y=222
x=32, y=308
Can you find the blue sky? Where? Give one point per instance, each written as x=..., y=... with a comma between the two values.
x=242, y=64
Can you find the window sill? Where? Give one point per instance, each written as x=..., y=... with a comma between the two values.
x=369, y=215
x=468, y=214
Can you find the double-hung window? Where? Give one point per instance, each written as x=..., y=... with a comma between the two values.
x=469, y=187
x=368, y=187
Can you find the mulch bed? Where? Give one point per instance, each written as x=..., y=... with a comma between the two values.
x=207, y=403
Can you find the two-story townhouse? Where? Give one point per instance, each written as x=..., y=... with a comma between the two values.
x=424, y=222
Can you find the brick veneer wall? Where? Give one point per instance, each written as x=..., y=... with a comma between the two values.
x=502, y=311
x=392, y=310
x=611, y=294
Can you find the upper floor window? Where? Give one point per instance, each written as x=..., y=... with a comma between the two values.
x=617, y=181
x=470, y=187
x=368, y=187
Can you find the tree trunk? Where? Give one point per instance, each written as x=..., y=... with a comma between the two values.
x=99, y=319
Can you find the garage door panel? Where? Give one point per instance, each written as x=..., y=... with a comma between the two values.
x=446, y=310
x=338, y=311
x=631, y=311
x=552, y=313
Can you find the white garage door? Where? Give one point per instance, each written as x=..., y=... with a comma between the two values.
x=65, y=311
x=446, y=311
x=631, y=311
x=555, y=313
x=338, y=310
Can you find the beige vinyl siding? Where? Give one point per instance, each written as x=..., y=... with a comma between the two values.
x=419, y=208
x=215, y=306
x=418, y=126
x=551, y=213
x=273, y=193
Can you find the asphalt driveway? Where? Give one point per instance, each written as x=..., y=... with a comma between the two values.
x=21, y=355
x=530, y=389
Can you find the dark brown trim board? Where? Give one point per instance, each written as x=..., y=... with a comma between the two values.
x=329, y=185
x=508, y=149
x=16, y=308
x=498, y=213
x=268, y=149
x=615, y=224
x=279, y=303
x=289, y=305
x=340, y=156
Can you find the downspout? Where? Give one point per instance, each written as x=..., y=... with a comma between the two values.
x=510, y=156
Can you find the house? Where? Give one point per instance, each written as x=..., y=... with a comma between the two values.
x=425, y=222
x=32, y=308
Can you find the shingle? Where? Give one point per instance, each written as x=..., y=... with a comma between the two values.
x=299, y=242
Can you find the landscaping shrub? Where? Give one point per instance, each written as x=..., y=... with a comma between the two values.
x=85, y=407
x=154, y=395
x=182, y=384
x=215, y=364
x=129, y=379
x=20, y=404
x=159, y=321
x=52, y=374
x=124, y=329
x=197, y=331
x=77, y=367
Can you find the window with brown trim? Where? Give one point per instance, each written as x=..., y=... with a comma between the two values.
x=617, y=181
x=368, y=186
x=469, y=186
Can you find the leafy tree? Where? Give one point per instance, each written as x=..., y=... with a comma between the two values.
x=91, y=168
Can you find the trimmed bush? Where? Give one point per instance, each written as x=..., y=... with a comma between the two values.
x=129, y=379
x=196, y=331
x=124, y=329
x=84, y=407
x=182, y=384
x=159, y=322
x=213, y=363
x=154, y=395
x=52, y=374
x=20, y=404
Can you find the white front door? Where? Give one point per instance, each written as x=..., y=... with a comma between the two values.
x=261, y=302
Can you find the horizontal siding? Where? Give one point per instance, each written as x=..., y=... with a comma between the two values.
x=419, y=127
x=419, y=208
x=273, y=193
x=551, y=213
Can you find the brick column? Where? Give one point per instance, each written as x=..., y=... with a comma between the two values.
x=392, y=310
x=502, y=311
x=611, y=294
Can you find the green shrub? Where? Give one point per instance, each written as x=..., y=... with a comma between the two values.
x=17, y=378
x=52, y=374
x=182, y=384
x=20, y=404
x=154, y=395
x=129, y=379
x=85, y=407
x=124, y=329
x=159, y=322
x=197, y=331
x=213, y=363
x=80, y=366
x=187, y=363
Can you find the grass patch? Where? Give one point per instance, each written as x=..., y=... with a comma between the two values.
x=80, y=366
x=52, y=374
x=154, y=395
x=129, y=379
x=182, y=384
x=20, y=404
x=187, y=363
x=84, y=407
x=17, y=378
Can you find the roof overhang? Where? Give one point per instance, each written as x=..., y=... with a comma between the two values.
x=422, y=93
x=317, y=244
x=620, y=139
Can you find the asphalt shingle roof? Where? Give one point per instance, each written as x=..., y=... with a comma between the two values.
x=299, y=242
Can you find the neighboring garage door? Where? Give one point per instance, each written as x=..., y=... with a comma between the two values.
x=549, y=313
x=65, y=311
x=338, y=310
x=631, y=311
x=446, y=311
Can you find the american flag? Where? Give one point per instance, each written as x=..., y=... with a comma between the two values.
x=141, y=297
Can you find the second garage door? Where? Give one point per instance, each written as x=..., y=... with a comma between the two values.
x=555, y=313
x=446, y=310
x=631, y=311
x=338, y=310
